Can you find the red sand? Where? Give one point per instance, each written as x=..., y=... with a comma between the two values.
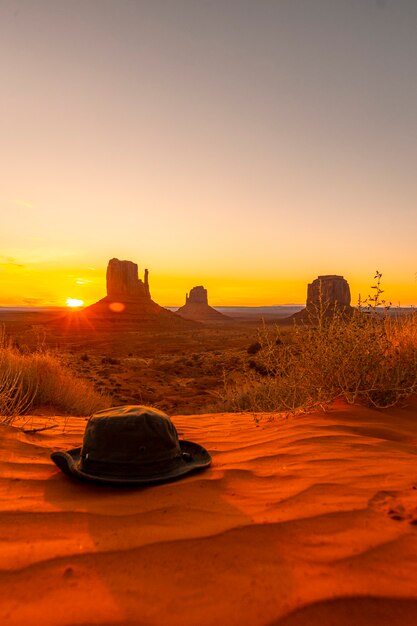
x=300, y=522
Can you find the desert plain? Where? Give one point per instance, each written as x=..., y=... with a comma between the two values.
x=179, y=370
x=300, y=520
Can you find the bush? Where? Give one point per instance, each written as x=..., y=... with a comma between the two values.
x=254, y=348
x=366, y=357
x=28, y=381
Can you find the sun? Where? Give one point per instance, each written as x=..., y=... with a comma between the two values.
x=74, y=302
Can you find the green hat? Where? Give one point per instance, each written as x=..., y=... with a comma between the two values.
x=131, y=445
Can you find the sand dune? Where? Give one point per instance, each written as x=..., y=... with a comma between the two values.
x=305, y=521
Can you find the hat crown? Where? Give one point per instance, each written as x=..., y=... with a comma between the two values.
x=125, y=435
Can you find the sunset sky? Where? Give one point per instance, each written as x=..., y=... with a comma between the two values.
x=245, y=145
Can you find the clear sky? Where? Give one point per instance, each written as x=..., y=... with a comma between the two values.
x=246, y=145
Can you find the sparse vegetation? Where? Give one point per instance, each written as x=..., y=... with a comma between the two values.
x=368, y=357
x=108, y=360
x=39, y=379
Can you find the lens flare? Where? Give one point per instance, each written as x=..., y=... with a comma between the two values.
x=117, y=307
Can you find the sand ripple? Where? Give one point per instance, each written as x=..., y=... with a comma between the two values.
x=299, y=522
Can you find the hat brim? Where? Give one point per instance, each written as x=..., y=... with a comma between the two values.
x=68, y=462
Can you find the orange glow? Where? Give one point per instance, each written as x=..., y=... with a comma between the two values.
x=36, y=285
x=74, y=302
x=116, y=307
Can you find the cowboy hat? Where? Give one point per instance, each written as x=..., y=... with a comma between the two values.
x=131, y=445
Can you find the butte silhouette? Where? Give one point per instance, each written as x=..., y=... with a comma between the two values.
x=197, y=308
x=128, y=300
x=326, y=294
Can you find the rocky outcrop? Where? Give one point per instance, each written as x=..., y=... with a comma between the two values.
x=123, y=283
x=197, y=308
x=128, y=300
x=330, y=290
x=326, y=294
x=197, y=295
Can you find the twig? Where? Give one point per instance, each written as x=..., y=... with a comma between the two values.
x=32, y=431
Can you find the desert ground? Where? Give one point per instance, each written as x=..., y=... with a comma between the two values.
x=298, y=522
x=177, y=370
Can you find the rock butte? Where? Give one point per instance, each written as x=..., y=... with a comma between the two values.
x=123, y=283
x=327, y=293
x=128, y=298
x=197, y=308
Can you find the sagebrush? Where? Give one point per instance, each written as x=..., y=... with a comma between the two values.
x=368, y=356
x=39, y=379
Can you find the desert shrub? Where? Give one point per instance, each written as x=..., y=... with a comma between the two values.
x=28, y=381
x=367, y=357
x=110, y=360
x=254, y=348
x=16, y=395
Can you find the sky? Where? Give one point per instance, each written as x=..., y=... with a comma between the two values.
x=244, y=145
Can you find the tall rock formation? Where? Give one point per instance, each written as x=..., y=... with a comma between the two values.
x=128, y=299
x=198, y=295
x=197, y=308
x=331, y=290
x=123, y=282
x=326, y=294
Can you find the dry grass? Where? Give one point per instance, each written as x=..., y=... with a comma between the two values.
x=39, y=379
x=364, y=358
